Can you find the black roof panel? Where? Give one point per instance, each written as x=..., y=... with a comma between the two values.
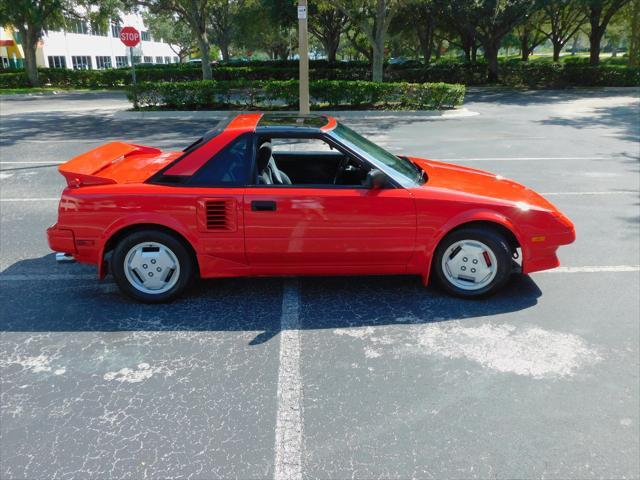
x=292, y=120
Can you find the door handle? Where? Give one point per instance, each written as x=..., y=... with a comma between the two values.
x=263, y=206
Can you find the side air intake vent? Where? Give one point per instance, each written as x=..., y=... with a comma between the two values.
x=217, y=215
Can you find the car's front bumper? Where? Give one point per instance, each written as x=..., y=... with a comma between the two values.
x=542, y=255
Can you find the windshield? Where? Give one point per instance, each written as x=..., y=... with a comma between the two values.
x=403, y=171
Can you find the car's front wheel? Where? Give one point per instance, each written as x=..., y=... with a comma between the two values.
x=473, y=262
x=152, y=266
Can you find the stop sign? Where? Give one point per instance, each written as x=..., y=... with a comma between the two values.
x=130, y=36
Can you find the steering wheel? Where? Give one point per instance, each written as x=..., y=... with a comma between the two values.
x=342, y=166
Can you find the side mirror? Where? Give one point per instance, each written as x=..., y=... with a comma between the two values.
x=375, y=179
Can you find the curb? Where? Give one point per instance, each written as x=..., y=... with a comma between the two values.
x=368, y=114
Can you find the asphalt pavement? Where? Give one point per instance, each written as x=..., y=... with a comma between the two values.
x=356, y=377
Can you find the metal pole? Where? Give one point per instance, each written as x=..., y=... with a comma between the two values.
x=303, y=52
x=133, y=77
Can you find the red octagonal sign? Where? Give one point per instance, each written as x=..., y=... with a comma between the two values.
x=130, y=36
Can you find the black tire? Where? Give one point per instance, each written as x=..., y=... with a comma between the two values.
x=173, y=243
x=489, y=237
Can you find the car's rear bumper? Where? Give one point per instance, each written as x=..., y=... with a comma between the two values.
x=61, y=240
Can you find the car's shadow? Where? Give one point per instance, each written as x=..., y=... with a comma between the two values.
x=36, y=295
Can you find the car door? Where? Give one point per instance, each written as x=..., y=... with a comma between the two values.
x=305, y=228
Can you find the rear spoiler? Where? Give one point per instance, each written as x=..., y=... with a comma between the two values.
x=85, y=168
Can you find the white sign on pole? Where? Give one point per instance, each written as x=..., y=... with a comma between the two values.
x=302, y=12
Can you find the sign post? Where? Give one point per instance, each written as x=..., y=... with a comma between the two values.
x=303, y=53
x=131, y=37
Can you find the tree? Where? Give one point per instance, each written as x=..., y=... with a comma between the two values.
x=530, y=35
x=223, y=18
x=194, y=13
x=562, y=20
x=600, y=13
x=32, y=18
x=492, y=19
x=327, y=23
x=419, y=17
x=173, y=31
x=372, y=17
x=460, y=21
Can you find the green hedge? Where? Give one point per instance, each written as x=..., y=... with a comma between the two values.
x=535, y=74
x=278, y=94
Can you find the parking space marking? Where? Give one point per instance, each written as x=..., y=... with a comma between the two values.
x=594, y=269
x=21, y=277
x=290, y=342
x=44, y=162
x=42, y=199
x=619, y=192
x=288, y=443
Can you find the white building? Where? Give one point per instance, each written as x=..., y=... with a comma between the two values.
x=85, y=46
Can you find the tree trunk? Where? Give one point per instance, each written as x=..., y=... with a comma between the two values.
x=474, y=53
x=524, y=46
x=332, y=51
x=203, y=45
x=224, y=51
x=574, y=45
x=557, y=48
x=634, y=40
x=595, y=35
x=426, y=52
x=379, y=31
x=491, y=54
x=30, y=44
x=377, y=67
x=594, y=48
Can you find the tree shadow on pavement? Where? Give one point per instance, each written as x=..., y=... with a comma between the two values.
x=73, y=302
x=623, y=119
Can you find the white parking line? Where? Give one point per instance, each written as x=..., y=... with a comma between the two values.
x=290, y=302
x=619, y=192
x=288, y=444
x=32, y=163
x=47, y=276
x=509, y=159
x=595, y=269
x=41, y=199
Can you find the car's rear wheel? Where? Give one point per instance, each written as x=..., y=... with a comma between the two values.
x=152, y=266
x=473, y=262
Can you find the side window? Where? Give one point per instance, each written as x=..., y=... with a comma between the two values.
x=305, y=162
x=229, y=167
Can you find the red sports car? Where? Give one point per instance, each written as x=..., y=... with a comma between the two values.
x=266, y=194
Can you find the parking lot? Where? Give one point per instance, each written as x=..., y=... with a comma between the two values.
x=367, y=377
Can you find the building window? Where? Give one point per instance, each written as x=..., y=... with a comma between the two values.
x=146, y=36
x=103, y=62
x=98, y=29
x=81, y=62
x=57, y=61
x=158, y=59
x=77, y=26
x=122, y=62
x=167, y=59
x=115, y=29
x=176, y=60
x=137, y=59
x=148, y=59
